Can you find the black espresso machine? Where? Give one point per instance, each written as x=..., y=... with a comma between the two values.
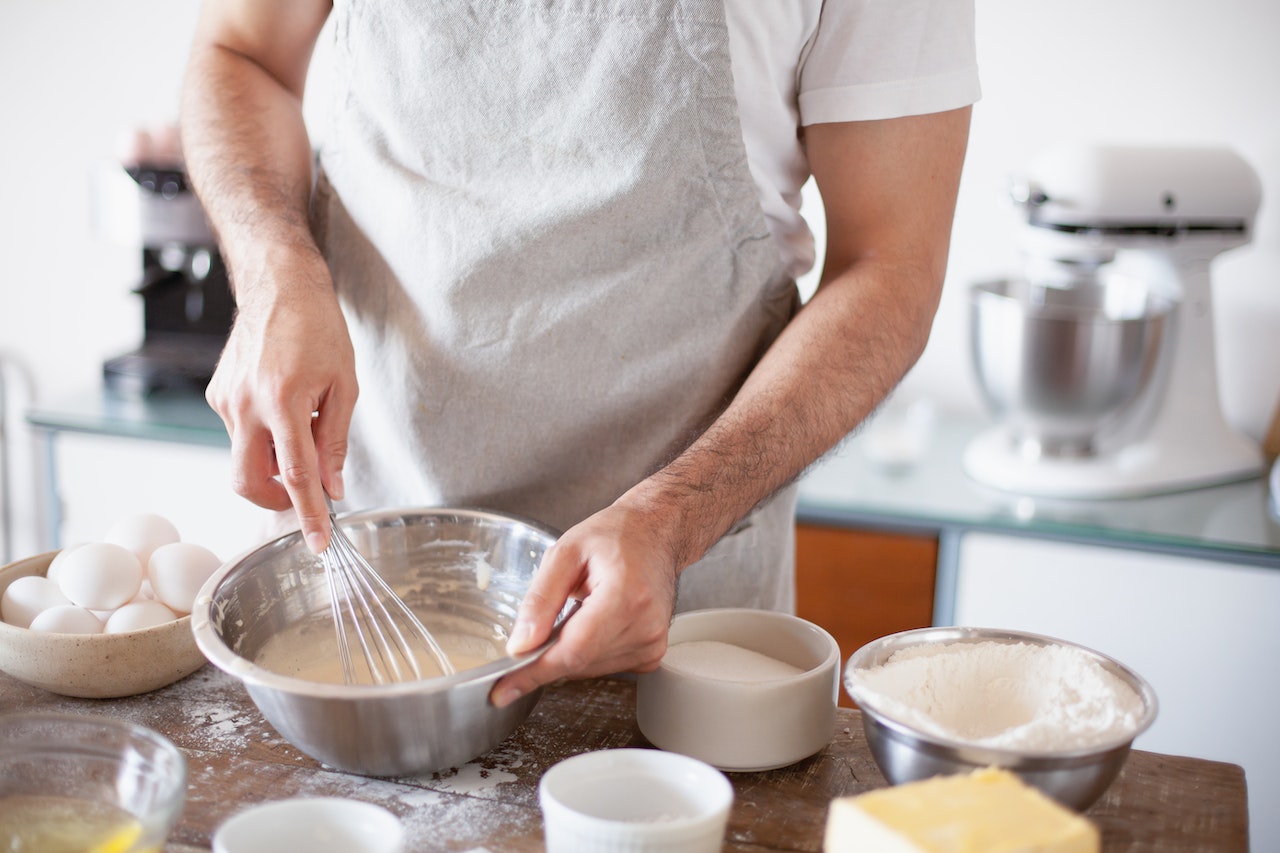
x=187, y=306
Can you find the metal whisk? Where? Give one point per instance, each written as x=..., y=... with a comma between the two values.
x=390, y=637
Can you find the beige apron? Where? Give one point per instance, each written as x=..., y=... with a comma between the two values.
x=552, y=257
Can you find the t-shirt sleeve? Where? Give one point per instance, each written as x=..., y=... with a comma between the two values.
x=876, y=59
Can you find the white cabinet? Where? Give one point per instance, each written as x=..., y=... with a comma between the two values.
x=100, y=479
x=1205, y=634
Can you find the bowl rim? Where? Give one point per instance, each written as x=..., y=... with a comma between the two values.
x=644, y=761
x=95, y=720
x=882, y=647
x=176, y=796
x=996, y=290
x=328, y=810
x=253, y=674
x=820, y=669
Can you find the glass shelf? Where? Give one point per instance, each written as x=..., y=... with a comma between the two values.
x=933, y=493
x=178, y=417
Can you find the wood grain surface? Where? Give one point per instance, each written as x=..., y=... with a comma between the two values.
x=235, y=759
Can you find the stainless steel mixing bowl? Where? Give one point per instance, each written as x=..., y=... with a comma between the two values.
x=462, y=571
x=1062, y=366
x=904, y=753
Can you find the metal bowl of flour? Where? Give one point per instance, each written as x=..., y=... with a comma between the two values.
x=906, y=749
x=462, y=571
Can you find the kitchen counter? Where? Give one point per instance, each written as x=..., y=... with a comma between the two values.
x=1158, y=803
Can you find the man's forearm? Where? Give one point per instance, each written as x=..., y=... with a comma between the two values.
x=249, y=158
x=831, y=367
x=889, y=189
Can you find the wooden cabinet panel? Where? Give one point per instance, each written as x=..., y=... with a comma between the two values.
x=860, y=585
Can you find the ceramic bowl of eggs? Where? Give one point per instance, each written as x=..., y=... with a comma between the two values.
x=742, y=689
x=106, y=618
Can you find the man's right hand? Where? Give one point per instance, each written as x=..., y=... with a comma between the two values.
x=285, y=387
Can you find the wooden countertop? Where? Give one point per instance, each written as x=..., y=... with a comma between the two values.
x=1158, y=803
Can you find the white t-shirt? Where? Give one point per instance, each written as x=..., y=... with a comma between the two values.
x=798, y=62
x=858, y=60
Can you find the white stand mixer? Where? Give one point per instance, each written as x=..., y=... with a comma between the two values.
x=1163, y=214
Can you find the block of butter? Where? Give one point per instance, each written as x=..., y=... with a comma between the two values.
x=987, y=811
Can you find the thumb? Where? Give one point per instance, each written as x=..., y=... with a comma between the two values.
x=550, y=588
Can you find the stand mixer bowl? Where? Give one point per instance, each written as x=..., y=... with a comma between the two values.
x=1063, y=366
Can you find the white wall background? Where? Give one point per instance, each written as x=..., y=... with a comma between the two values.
x=76, y=73
x=1145, y=71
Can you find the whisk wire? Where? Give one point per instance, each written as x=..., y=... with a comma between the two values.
x=377, y=627
x=336, y=597
x=388, y=633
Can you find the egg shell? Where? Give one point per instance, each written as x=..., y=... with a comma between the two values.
x=100, y=576
x=55, y=567
x=138, y=615
x=67, y=619
x=27, y=597
x=142, y=534
x=178, y=570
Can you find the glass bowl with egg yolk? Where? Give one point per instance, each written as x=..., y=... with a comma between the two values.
x=87, y=783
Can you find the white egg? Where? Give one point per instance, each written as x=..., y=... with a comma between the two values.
x=100, y=576
x=27, y=597
x=177, y=571
x=142, y=534
x=58, y=559
x=67, y=619
x=137, y=615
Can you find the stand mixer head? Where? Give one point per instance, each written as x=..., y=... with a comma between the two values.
x=1100, y=365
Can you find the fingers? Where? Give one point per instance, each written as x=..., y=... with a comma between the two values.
x=253, y=459
x=277, y=469
x=577, y=654
x=287, y=402
x=329, y=431
x=550, y=588
x=299, y=472
x=627, y=593
x=254, y=470
x=274, y=460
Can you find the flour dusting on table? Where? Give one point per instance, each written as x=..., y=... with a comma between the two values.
x=474, y=778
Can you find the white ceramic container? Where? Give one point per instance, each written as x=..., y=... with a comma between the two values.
x=313, y=824
x=634, y=801
x=743, y=723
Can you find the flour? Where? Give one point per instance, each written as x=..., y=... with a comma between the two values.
x=725, y=662
x=1005, y=695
